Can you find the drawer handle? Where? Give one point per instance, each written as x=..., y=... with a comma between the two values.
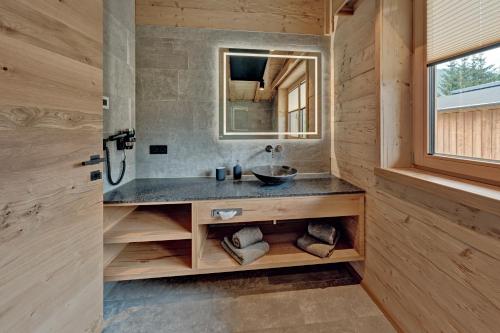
x=226, y=214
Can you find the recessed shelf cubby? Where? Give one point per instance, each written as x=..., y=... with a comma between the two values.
x=152, y=223
x=150, y=260
x=281, y=236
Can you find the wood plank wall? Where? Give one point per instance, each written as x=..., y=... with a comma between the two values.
x=50, y=121
x=473, y=132
x=298, y=16
x=432, y=263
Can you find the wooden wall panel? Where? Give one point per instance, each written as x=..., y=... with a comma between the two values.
x=50, y=121
x=393, y=63
x=432, y=263
x=297, y=16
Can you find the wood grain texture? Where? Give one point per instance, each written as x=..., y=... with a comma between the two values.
x=50, y=121
x=469, y=132
x=283, y=253
x=282, y=208
x=431, y=258
x=298, y=16
x=282, y=220
x=393, y=53
x=111, y=251
x=150, y=260
x=147, y=224
x=113, y=215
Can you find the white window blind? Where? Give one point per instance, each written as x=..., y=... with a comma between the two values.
x=455, y=27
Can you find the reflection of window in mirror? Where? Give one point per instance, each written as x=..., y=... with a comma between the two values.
x=297, y=108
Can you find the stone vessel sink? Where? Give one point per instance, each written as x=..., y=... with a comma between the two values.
x=274, y=175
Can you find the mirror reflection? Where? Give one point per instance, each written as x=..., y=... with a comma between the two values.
x=269, y=94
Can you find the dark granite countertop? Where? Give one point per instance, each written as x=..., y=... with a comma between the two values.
x=194, y=189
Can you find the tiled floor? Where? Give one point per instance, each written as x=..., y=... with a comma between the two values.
x=314, y=299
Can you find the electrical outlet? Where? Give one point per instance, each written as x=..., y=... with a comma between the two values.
x=158, y=149
x=105, y=103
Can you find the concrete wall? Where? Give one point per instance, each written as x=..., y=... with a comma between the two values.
x=119, y=79
x=177, y=103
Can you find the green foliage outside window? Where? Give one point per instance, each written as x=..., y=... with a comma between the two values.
x=466, y=72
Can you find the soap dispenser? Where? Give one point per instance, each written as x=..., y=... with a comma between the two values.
x=237, y=171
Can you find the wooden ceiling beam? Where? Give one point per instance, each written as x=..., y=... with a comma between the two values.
x=340, y=7
x=337, y=6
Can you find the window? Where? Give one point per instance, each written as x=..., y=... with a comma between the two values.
x=464, y=106
x=297, y=108
x=457, y=87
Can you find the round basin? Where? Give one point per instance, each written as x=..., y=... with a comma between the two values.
x=274, y=175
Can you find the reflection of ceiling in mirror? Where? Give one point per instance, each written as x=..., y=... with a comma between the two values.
x=245, y=86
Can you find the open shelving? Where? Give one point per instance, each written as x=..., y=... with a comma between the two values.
x=147, y=241
x=147, y=224
x=150, y=260
x=281, y=237
x=171, y=239
x=283, y=253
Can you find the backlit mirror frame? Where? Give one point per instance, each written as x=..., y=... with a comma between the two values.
x=225, y=53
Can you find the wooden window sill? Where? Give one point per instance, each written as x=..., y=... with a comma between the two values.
x=470, y=193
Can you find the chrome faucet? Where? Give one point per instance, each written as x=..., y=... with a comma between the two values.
x=276, y=149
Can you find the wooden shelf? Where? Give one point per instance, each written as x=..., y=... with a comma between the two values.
x=283, y=253
x=111, y=251
x=150, y=260
x=153, y=223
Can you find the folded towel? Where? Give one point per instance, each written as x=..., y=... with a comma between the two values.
x=248, y=254
x=317, y=247
x=247, y=236
x=322, y=231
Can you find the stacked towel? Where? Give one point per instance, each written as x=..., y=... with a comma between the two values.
x=247, y=236
x=246, y=245
x=320, y=239
x=322, y=231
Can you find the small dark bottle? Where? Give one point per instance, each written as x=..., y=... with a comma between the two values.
x=237, y=171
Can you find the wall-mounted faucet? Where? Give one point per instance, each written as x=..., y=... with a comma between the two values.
x=276, y=149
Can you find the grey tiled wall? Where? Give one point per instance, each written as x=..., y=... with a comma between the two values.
x=119, y=79
x=177, y=103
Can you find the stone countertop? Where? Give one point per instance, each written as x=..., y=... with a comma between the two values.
x=194, y=189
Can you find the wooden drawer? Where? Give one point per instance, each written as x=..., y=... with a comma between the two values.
x=281, y=208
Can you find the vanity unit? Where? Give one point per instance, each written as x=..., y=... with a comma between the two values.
x=169, y=227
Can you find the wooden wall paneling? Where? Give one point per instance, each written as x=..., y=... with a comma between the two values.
x=393, y=44
x=328, y=18
x=429, y=257
x=50, y=121
x=23, y=21
x=446, y=268
x=303, y=16
x=354, y=96
x=82, y=16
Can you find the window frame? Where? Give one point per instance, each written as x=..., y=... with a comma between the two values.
x=301, y=110
x=478, y=170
